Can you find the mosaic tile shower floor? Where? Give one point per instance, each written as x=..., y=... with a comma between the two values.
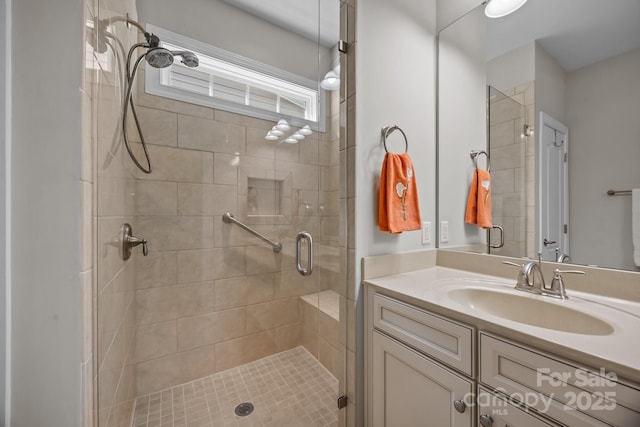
x=288, y=389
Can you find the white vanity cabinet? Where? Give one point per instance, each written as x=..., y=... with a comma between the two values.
x=409, y=382
x=424, y=369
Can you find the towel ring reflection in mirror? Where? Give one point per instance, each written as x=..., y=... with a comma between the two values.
x=388, y=130
x=474, y=156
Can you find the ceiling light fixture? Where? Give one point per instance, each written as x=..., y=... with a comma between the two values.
x=331, y=80
x=283, y=125
x=500, y=8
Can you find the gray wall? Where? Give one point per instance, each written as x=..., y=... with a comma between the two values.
x=227, y=27
x=407, y=100
x=603, y=106
x=46, y=207
x=3, y=94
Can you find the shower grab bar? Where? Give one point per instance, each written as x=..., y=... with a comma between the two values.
x=227, y=218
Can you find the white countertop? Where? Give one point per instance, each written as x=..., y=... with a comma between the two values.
x=617, y=352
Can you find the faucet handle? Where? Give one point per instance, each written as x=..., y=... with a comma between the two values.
x=557, y=289
x=513, y=264
x=523, y=275
x=558, y=272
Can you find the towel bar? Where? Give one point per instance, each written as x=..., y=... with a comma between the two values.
x=474, y=156
x=388, y=130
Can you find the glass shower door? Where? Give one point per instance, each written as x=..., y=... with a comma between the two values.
x=213, y=327
x=507, y=150
x=310, y=170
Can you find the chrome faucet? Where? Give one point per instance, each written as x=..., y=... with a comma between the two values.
x=562, y=257
x=530, y=279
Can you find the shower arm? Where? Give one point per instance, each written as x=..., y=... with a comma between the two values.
x=128, y=21
x=152, y=40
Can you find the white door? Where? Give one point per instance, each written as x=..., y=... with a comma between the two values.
x=553, y=216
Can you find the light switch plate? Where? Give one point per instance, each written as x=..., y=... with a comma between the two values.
x=444, y=231
x=426, y=232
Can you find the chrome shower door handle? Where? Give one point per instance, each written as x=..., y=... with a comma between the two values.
x=303, y=235
x=501, y=238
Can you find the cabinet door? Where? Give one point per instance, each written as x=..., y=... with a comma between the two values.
x=410, y=390
x=493, y=411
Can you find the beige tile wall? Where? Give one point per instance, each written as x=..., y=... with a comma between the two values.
x=210, y=296
x=320, y=330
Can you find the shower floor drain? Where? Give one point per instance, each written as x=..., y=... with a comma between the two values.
x=244, y=409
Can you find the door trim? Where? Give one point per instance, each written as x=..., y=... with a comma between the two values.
x=546, y=119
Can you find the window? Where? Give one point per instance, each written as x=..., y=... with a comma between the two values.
x=227, y=81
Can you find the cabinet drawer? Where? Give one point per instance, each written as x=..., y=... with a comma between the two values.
x=497, y=412
x=442, y=339
x=563, y=391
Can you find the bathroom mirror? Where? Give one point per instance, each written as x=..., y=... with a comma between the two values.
x=551, y=78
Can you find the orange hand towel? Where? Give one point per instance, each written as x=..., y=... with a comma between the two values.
x=479, y=201
x=398, y=208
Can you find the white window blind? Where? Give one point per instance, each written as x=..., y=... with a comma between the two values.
x=226, y=81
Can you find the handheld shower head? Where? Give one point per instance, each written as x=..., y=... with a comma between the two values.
x=159, y=57
x=189, y=59
x=156, y=57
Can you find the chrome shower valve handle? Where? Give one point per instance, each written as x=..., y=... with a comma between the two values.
x=133, y=241
x=129, y=241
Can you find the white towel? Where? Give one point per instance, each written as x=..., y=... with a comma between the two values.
x=635, y=224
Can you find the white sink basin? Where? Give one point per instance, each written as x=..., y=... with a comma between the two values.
x=530, y=310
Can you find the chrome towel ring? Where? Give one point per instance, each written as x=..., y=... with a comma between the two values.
x=388, y=130
x=474, y=156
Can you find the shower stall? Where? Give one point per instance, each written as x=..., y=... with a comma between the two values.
x=512, y=171
x=206, y=324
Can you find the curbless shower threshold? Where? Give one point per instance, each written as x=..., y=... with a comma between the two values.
x=289, y=389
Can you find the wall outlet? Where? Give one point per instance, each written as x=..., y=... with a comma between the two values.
x=426, y=232
x=444, y=231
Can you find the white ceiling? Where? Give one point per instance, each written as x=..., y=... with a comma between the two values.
x=299, y=16
x=575, y=32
